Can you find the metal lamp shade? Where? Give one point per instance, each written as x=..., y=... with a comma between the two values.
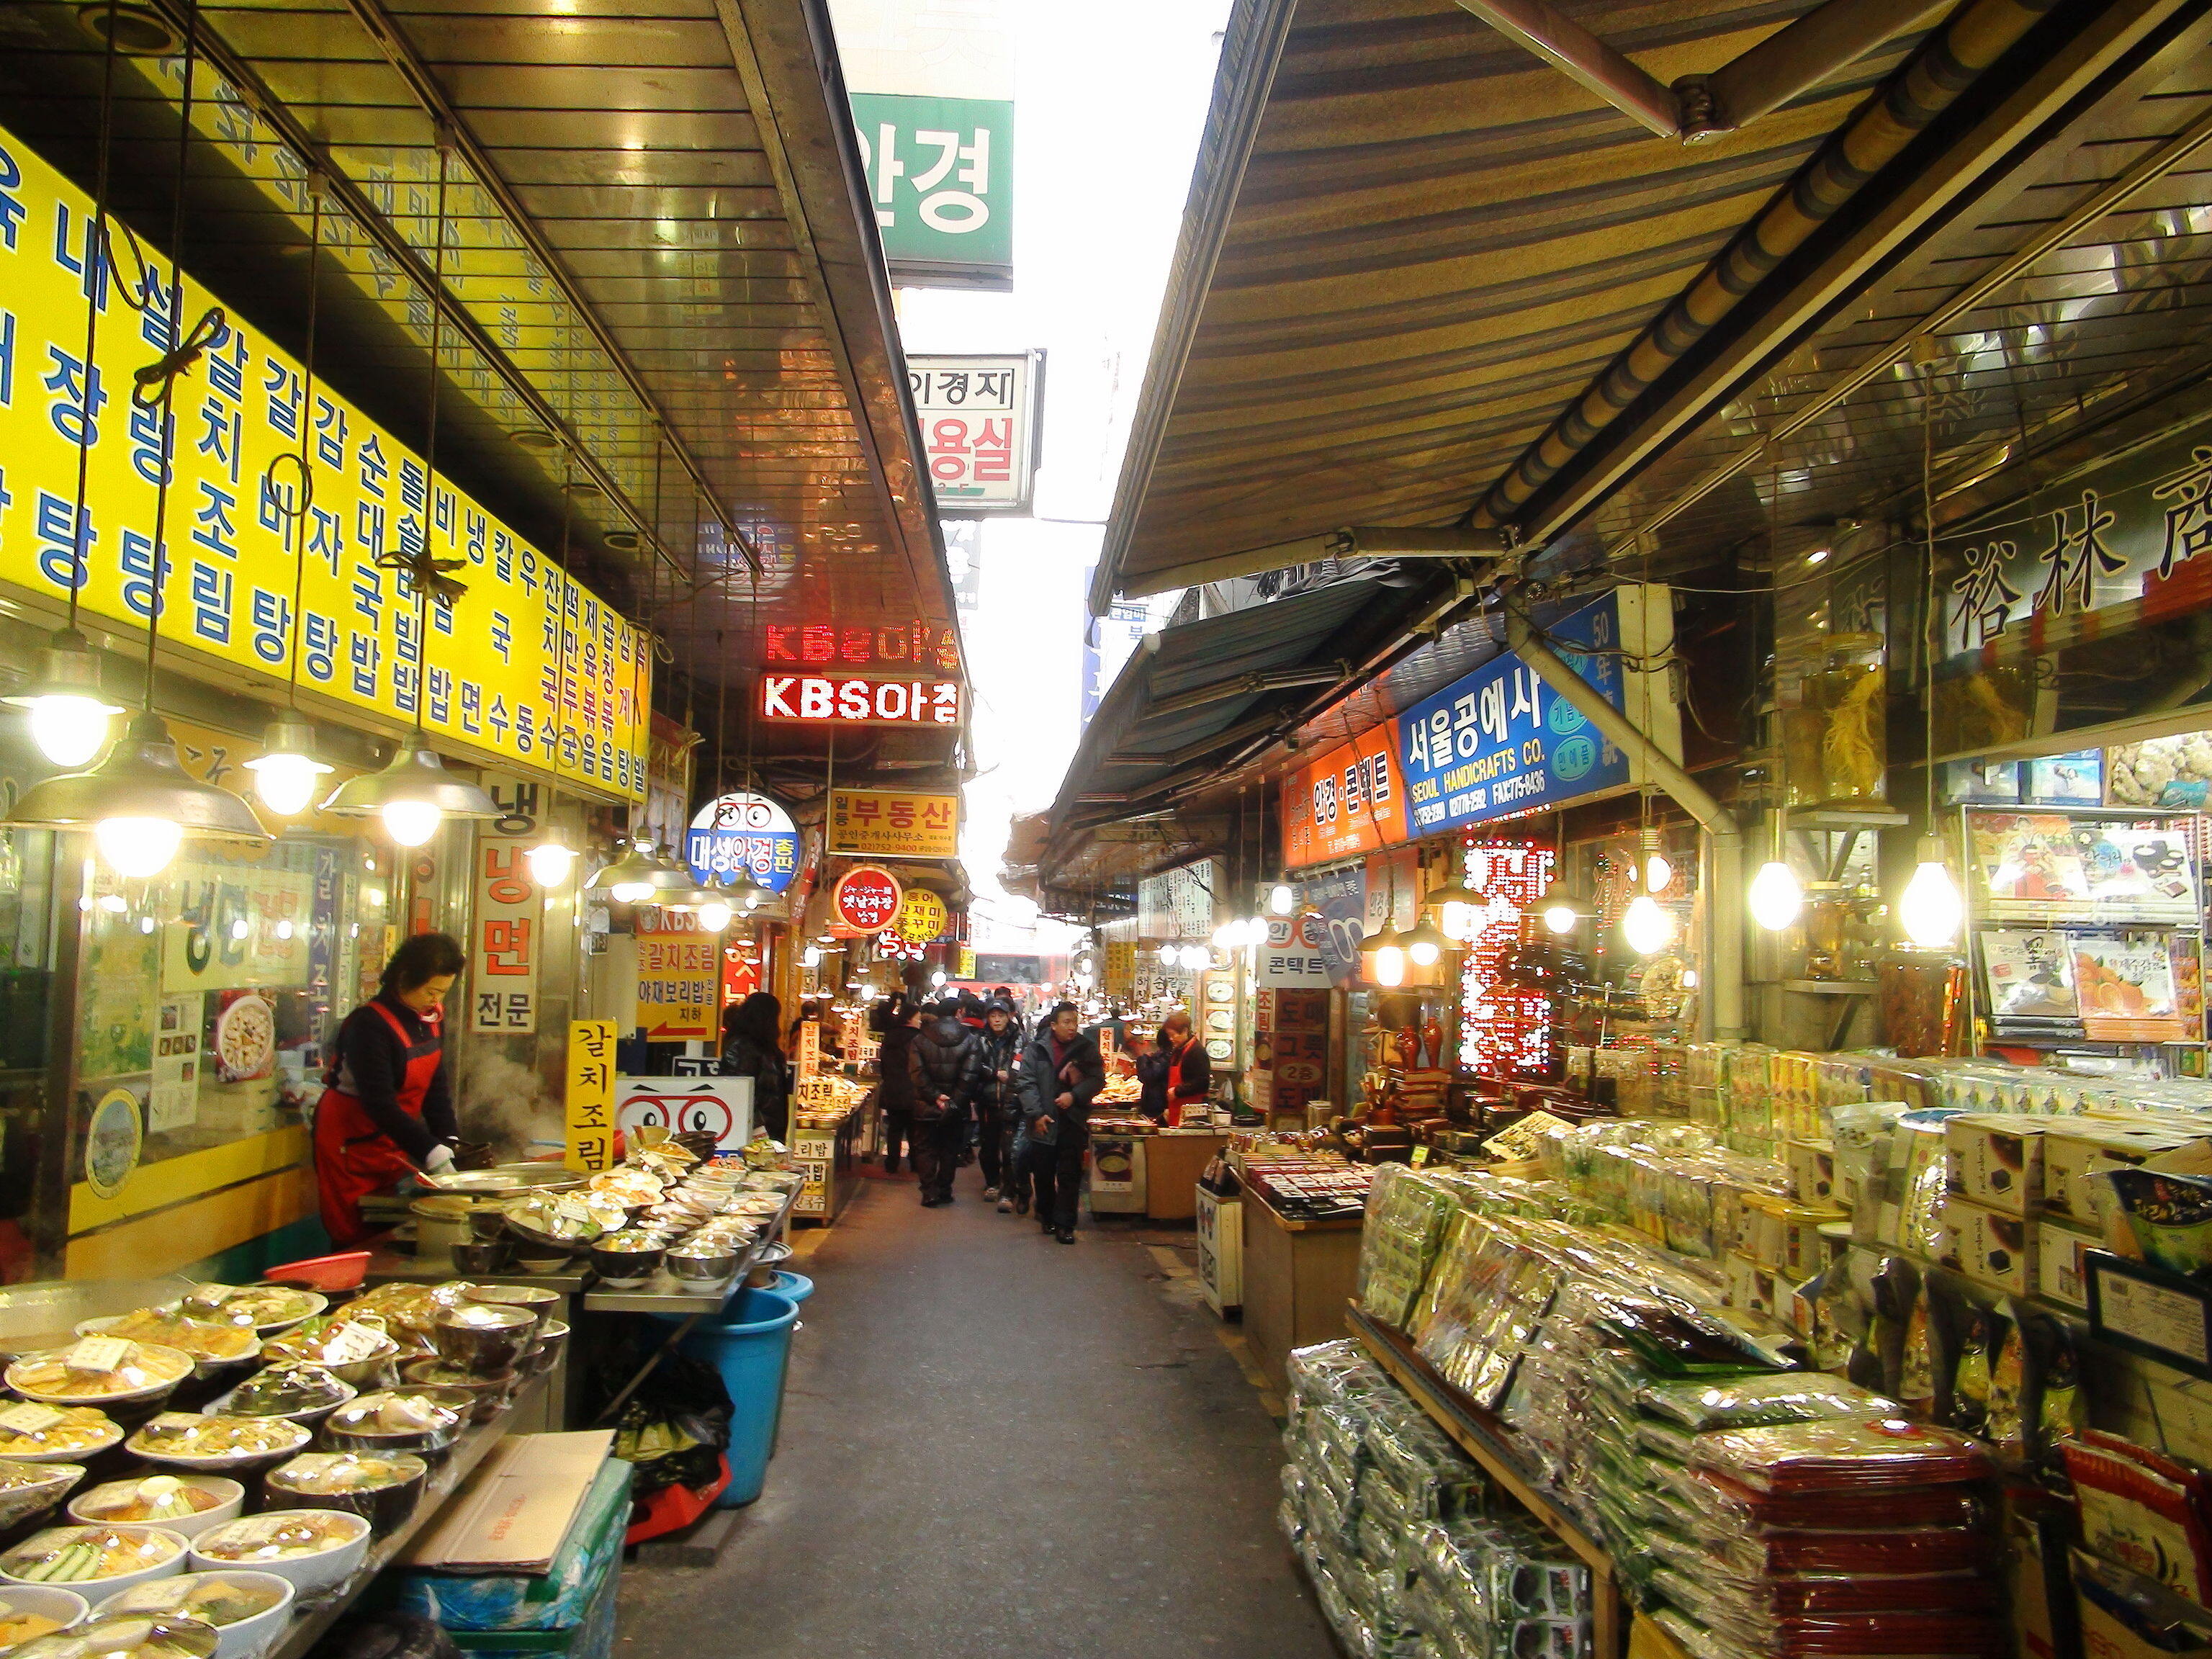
x=634, y=867
x=141, y=777
x=68, y=667
x=671, y=881
x=415, y=775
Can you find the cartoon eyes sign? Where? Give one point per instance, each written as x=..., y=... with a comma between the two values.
x=722, y=1107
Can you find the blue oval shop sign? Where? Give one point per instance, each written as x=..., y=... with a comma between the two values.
x=743, y=828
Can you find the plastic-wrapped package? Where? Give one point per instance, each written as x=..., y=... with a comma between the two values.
x=2143, y=1509
x=1751, y=1401
x=1732, y=1507
x=1291, y=1519
x=1408, y=1211
x=1431, y=1475
x=1841, y=1455
x=1338, y=1370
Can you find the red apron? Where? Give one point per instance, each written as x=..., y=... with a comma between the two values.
x=353, y=1157
x=1176, y=1102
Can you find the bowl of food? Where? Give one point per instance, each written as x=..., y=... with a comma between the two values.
x=266, y=1309
x=170, y=1637
x=100, y=1371
x=381, y=1488
x=625, y=1259
x=31, y=1433
x=552, y=1337
x=220, y=1445
x=484, y=1255
x=707, y=1263
x=187, y=1505
x=314, y=1549
x=354, y=1350
x=213, y=1348
x=27, y=1610
x=393, y=1421
x=245, y=1608
x=484, y=1337
x=300, y=1393
x=486, y=1395
x=109, y=1556
x=29, y=1490
x=539, y=1301
x=566, y=1223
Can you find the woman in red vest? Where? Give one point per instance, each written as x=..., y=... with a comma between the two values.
x=387, y=1106
x=1190, y=1074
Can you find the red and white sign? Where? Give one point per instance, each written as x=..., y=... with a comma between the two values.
x=863, y=901
x=833, y=700
x=919, y=645
x=979, y=420
x=506, y=930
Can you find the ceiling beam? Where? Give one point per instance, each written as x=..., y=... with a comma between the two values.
x=1572, y=50
x=1797, y=58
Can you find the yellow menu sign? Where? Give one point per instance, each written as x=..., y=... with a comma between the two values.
x=525, y=667
x=894, y=823
x=590, y=1107
x=679, y=969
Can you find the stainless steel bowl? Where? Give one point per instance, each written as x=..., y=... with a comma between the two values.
x=702, y=1269
x=485, y=1337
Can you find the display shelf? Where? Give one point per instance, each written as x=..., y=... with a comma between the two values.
x=1847, y=817
x=1830, y=987
x=1479, y=1435
x=312, y=1619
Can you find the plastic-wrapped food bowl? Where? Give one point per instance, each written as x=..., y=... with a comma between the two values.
x=110, y=1557
x=75, y=1434
x=27, y=1489
x=140, y=1501
x=315, y=1549
x=146, y=1374
x=228, y=1445
x=168, y=1638
x=244, y=1609
x=25, y=1609
x=383, y=1489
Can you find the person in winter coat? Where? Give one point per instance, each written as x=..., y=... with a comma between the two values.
x=1190, y=1076
x=997, y=1101
x=751, y=1048
x=945, y=1061
x=1062, y=1073
x=894, y=1089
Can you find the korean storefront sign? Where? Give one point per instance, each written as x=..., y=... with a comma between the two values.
x=894, y=823
x=679, y=969
x=742, y=829
x=865, y=901
x=590, y=1105
x=941, y=172
x=922, y=916
x=835, y=700
x=1350, y=801
x=238, y=927
x=978, y=429
x=525, y=666
x=507, y=926
x=917, y=648
x=1297, y=953
x=722, y=1107
x=1499, y=741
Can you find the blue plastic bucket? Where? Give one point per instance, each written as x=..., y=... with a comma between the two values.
x=797, y=1286
x=750, y=1350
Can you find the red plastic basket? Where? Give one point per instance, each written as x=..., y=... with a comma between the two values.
x=343, y=1272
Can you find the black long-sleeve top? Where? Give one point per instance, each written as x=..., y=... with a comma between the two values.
x=372, y=1063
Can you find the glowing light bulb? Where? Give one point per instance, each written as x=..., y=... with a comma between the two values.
x=811, y=957
x=114, y=903
x=1657, y=872
x=286, y=783
x=283, y=930
x=1389, y=966
x=240, y=928
x=1196, y=957
x=1931, y=909
x=632, y=892
x=938, y=978
x=1560, y=918
x=412, y=823
x=1422, y=952
x=1169, y=955
x=715, y=917
x=550, y=862
x=1461, y=921
x=145, y=924
x=1281, y=898
x=1645, y=925
x=1776, y=897
x=69, y=731
x=138, y=847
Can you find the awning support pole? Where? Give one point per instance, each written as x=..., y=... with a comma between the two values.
x=1723, y=981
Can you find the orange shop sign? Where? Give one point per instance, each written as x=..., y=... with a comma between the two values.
x=894, y=823
x=1350, y=801
x=865, y=901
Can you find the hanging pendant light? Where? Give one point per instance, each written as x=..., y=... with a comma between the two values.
x=1382, y=957
x=140, y=803
x=740, y=889
x=1654, y=864
x=69, y=713
x=1562, y=910
x=1169, y=955
x=413, y=795
x=1645, y=925
x=1776, y=896
x=1931, y=910
x=1282, y=899
x=1425, y=944
x=1458, y=906
x=629, y=879
x=286, y=771
x=549, y=857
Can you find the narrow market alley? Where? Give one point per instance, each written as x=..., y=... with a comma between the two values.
x=998, y=1448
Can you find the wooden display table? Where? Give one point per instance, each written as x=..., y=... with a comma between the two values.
x=1298, y=1275
x=1174, y=1160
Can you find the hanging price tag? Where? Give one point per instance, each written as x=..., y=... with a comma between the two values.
x=29, y=1418
x=99, y=1353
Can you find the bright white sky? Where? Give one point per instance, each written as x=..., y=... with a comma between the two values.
x=1109, y=103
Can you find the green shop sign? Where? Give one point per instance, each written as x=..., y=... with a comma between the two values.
x=941, y=172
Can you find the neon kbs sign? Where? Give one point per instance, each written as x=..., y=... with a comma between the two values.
x=911, y=648
x=833, y=700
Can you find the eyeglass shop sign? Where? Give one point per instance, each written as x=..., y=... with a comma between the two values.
x=979, y=423
x=1500, y=741
x=941, y=172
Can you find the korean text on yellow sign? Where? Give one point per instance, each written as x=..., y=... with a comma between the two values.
x=525, y=666
x=894, y=823
x=678, y=970
x=591, y=1101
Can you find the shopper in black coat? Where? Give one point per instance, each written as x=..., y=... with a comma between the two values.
x=1063, y=1072
x=751, y=1030
x=894, y=1088
x=998, y=1107
x=945, y=1062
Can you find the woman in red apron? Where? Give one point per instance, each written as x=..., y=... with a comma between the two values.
x=1190, y=1074
x=387, y=1109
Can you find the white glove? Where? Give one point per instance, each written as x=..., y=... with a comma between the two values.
x=439, y=1160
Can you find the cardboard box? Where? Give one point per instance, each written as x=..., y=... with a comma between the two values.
x=1813, y=1178
x=2099, y=1585
x=1991, y=1246
x=514, y=1509
x=2060, y=1275
x=2075, y=1149
x=1996, y=1159
x=1751, y=1285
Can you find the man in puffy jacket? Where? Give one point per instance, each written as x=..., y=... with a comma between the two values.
x=944, y=1064
x=1063, y=1072
x=894, y=1086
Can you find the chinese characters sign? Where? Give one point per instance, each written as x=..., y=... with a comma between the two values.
x=1351, y=800
x=941, y=172
x=828, y=700
x=978, y=429
x=743, y=828
x=865, y=901
x=506, y=930
x=590, y=1106
x=524, y=667
x=678, y=967
x=892, y=824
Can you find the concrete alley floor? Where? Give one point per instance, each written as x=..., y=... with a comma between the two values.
x=994, y=1447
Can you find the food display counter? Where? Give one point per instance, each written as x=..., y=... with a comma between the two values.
x=826, y=1149
x=1174, y=1160
x=1298, y=1275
